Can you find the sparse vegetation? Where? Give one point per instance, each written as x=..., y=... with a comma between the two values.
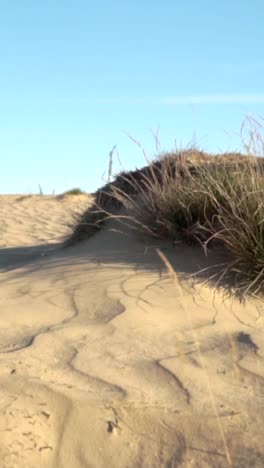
x=73, y=191
x=193, y=197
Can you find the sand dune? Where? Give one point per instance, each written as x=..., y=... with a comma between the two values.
x=108, y=360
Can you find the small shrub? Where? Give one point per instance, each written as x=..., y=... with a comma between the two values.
x=74, y=191
x=71, y=192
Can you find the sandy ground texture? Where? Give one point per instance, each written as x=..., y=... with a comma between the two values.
x=109, y=358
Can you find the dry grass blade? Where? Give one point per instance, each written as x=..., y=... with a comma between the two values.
x=173, y=275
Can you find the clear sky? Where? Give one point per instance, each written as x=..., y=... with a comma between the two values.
x=76, y=75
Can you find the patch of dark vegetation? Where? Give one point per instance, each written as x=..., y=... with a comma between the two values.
x=193, y=197
x=112, y=197
x=74, y=191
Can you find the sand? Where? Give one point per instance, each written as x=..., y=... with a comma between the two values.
x=109, y=359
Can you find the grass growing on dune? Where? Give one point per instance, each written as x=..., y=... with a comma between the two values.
x=220, y=202
x=195, y=198
x=73, y=192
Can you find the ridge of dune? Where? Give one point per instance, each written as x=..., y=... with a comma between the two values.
x=106, y=361
x=28, y=220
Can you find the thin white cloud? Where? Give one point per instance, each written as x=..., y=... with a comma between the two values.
x=240, y=98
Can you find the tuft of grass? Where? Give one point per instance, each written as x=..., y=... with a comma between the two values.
x=193, y=197
x=71, y=192
x=218, y=202
x=74, y=191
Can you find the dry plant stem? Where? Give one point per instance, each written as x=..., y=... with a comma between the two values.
x=110, y=166
x=139, y=145
x=253, y=142
x=175, y=278
x=155, y=134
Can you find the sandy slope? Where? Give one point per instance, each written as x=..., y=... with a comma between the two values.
x=106, y=361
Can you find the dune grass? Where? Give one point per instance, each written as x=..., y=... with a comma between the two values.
x=217, y=202
x=71, y=192
x=193, y=197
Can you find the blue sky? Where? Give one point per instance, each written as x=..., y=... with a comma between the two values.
x=76, y=76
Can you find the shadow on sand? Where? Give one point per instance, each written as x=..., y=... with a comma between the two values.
x=113, y=247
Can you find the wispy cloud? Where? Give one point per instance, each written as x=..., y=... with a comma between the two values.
x=233, y=98
x=242, y=98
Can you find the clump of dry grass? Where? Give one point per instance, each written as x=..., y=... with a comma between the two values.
x=217, y=202
x=196, y=198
